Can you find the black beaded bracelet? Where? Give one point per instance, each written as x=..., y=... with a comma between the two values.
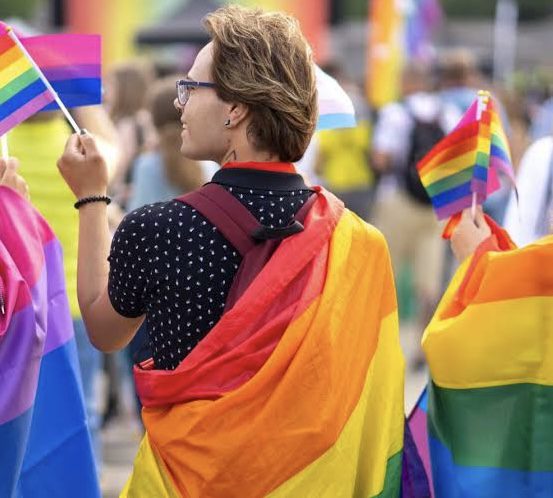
x=92, y=198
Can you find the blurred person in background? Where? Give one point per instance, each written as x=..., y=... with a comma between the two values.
x=528, y=216
x=126, y=86
x=404, y=132
x=37, y=143
x=163, y=173
x=343, y=155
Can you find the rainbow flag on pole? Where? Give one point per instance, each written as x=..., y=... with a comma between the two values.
x=462, y=168
x=46, y=450
x=490, y=402
x=298, y=390
x=22, y=92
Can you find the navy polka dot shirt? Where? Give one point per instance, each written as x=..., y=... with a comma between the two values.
x=169, y=262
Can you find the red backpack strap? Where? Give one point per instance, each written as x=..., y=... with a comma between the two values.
x=227, y=213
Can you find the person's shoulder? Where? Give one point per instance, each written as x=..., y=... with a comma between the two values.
x=155, y=215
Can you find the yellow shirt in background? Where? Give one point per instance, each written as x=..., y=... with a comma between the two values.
x=38, y=145
x=344, y=157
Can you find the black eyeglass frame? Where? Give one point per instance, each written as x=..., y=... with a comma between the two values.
x=184, y=87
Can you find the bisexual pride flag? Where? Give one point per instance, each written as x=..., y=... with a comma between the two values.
x=71, y=64
x=45, y=448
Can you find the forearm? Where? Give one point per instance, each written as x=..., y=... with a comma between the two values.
x=93, y=266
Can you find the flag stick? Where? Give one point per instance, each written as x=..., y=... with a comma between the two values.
x=4, y=143
x=72, y=122
x=473, y=207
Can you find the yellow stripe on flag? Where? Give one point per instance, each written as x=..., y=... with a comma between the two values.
x=354, y=466
x=14, y=70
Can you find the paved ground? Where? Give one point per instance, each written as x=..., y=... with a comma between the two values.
x=121, y=438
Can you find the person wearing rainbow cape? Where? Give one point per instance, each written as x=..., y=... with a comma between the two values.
x=275, y=363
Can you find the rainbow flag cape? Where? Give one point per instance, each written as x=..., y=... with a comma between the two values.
x=465, y=163
x=490, y=402
x=22, y=92
x=298, y=390
x=46, y=449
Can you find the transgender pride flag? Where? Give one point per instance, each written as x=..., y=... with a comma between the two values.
x=45, y=448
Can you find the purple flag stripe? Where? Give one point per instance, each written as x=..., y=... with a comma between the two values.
x=26, y=111
x=20, y=356
x=501, y=165
x=449, y=210
x=60, y=325
x=73, y=72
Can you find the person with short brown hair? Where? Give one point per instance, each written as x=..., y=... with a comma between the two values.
x=270, y=308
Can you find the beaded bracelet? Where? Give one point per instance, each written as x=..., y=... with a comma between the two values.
x=92, y=198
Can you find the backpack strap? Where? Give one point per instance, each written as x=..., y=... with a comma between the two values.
x=255, y=242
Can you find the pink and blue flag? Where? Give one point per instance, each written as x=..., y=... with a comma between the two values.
x=45, y=448
x=71, y=64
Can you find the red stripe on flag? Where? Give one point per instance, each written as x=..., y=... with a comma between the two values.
x=5, y=44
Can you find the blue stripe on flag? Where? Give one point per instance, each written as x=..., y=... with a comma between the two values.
x=77, y=92
x=332, y=121
x=451, y=195
x=59, y=460
x=13, y=438
x=21, y=98
x=458, y=481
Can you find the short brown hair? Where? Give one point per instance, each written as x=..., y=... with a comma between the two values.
x=262, y=59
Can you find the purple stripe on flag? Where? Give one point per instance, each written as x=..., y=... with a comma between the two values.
x=501, y=165
x=479, y=186
x=20, y=354
x=452, y=208
x=73, y=72
x=26, y=111
x=60, y=325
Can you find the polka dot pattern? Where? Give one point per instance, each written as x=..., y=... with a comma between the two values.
x=169, y=262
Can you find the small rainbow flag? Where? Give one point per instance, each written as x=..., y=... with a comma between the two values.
x=22, y=92
x=462, y=168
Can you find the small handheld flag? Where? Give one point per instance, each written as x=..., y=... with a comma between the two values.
x=461, y=170
x=22, y=91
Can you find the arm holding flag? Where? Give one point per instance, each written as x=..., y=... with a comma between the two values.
x=85, y=171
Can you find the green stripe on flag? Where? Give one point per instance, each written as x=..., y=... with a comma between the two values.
x=18, y=84
x=392, y=482
x=482, y=159
x=450, y=182
x=508, y=427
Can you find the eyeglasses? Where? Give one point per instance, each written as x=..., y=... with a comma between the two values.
x=185, y=86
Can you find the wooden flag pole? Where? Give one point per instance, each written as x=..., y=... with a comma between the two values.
x=16, y=40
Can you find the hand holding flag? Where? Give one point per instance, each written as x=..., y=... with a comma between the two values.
x=461, y=170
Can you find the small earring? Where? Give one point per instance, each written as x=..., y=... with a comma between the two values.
x=227, y=122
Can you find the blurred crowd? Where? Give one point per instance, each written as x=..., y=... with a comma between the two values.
x=370, y=167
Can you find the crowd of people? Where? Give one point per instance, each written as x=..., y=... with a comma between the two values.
x=151, y=143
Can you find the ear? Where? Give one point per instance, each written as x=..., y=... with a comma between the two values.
x=237, y=113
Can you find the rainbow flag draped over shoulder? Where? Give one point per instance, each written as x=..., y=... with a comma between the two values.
x=45, y=448
x=298, y=390
x=490, y=352
x=465, y=163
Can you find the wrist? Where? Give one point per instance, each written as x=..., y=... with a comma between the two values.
x=92, y=199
